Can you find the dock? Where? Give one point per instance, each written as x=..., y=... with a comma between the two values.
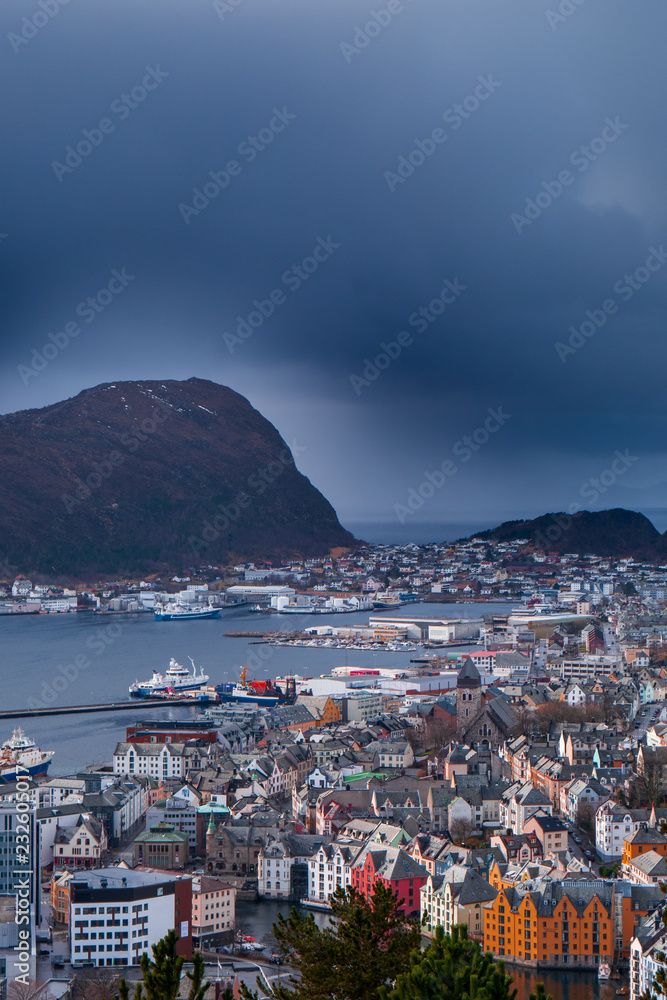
x=118, y=706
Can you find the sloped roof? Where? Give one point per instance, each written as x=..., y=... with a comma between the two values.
x=469, y=676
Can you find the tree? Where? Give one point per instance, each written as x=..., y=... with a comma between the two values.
x=540, y=993
x=161, y=975
x=460, y=829
x=18, y=990
x=451, y=968
x=366, y=944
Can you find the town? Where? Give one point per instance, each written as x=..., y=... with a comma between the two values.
x=513, y=779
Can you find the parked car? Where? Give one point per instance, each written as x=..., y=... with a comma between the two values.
x=576, y=839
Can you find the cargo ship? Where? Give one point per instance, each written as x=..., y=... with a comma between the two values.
x=177, y=679
x=19, y=754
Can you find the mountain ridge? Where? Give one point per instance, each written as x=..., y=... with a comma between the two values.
x=143, y=476
x=614, y=532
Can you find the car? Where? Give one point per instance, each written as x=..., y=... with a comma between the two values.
x=576, y=839
x=199, y=871
x=43, y=951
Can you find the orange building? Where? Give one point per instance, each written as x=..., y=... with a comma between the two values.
x=552, y=924
x=60, y=897
x=645, y=839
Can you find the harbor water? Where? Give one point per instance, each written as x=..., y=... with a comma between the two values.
x=85, y=658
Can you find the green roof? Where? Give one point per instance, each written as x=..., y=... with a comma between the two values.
x=162, y=833
x=364, y=774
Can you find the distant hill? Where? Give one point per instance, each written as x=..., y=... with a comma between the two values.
x=133, y=477
x=616, y=532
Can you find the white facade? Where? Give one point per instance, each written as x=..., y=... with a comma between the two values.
x=274, y=872
x=123, y=920
x=159, y=760
x=612, y=825
x=329, y=870
x=61, y=791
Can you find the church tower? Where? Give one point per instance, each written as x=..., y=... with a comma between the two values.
x=468, y=696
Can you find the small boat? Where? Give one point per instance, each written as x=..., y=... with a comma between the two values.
x=604, y=971
x=623, y=992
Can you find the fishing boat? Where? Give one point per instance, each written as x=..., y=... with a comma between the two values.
x=20, y=754
x=175, y=680
x=604, y=971
x=184, y=612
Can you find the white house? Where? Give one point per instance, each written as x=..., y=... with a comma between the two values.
x=519, y=802
x=156, y=760
x=330, y=868
x=83, y=845
x=612, y=824
x=650, y=940
x=274, y=871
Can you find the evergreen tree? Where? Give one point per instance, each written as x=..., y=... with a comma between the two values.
x=161, y=975
x=451, y=968
x=540, y=993
x=366, y=945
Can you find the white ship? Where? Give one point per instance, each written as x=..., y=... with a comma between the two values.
x=20, y=750
x=542, y=614
x=175, y=680
x=184, y=612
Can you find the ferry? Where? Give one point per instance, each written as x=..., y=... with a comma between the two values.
x=20, y=750
x=184, y=612
x=175, y=680
x=261, y=693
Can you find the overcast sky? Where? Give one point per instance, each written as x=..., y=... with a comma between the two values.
x=542, y=186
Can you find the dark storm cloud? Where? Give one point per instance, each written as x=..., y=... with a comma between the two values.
x=228, y=143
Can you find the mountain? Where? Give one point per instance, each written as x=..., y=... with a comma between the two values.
x=134, y=477
x=616, y=532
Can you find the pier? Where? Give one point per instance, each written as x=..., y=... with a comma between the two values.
x=118, y=706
